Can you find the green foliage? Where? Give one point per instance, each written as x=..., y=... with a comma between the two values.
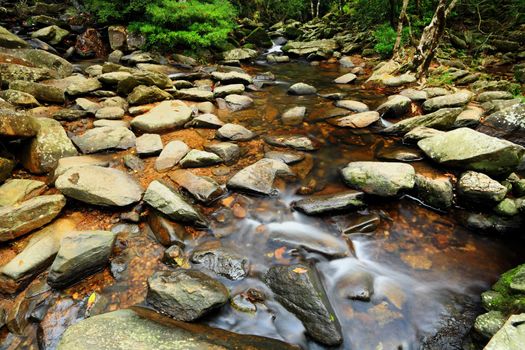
x=440, y=79
x=271, y=11
x=385, y=37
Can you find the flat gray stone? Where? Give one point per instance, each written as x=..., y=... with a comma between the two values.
x=171, y=155
x=235, y=132
x=165, y=116
x=197, y=159
x=105, y=138
x=149, y=144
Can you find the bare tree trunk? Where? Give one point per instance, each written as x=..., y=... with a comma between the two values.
x=312, y=8
x=402, y=18
x=318, y=7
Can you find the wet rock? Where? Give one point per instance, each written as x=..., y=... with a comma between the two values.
x=299, y=289
x=204, y=189
x=18, y=219
x=170, y=202
x=399, y=153
x=351, y=105
x=489, y=323
x=185, y=295
x=111, y=113
x=479, y=188
x=232, y=77
x=10, y=40
x=149, y=144
x=171, y=155
x=236, y=102
x=83, y=87
x=18, y=190
x=104, y=138
x=207, y=120
x=234, y=132
x=490, y=224
x=19, y=98
x=437, y=193
x=457, y=99
x=229, y=152
x=42, y=92
x=356, y=121
x=479, y=152
x=163, y=117
x=14, y=124
x=302, y=89
x=80, y=255
x=441, y=119
x=322, y=204
x=508, y=207
x=167, y=232
x=379, y=178
x=239, y=54
x=41, y=154
x=419, y=133
x=293, y=116
x=271, y=58
x=494, y=95
x=147, y=94
x=197, y=159
x=222, y=261
x=396, y=105
x=470, y=117
x=174, y=256
x=508, y=123
x=346, y=79
x=99, y=186
x=300, y=143
x=194, y=94
x=285, y=157
x=414, y=95
x=511, y=336
x=318, y=48
x=10, y=72
x=357, y=285
x=257, y=178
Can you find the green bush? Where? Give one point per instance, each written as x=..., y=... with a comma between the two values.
x=385, y=37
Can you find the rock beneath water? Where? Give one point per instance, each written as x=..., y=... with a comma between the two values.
x=302, y=89
x=80, y=255
x=18, y=190
x=149, y=144
x=198, y=159
x=42, y=92
x=18, y=219
x=257, y=178
x=234, y=132
x=379, y=178
x=478, y=152
x=442, y=119
x=511, y=336
x=346, y=79
x=356, y=285
x=294, y=116
x=167, y=232
x=10, y=40
x=99, y=186
x=300, y=290
x=14, y=125
x=458, y=99
x=480, y=188
x=285, y=157
x=104, y=138
x=127, y=329
x=185, y=295
x=171, y=155
x=207, y=120
x=204, y=189
x=356, y=121
x=222, y=261
x=508, y=123
x=238, y=102
x=322, y=204
x=300, y=143
x=489, y=323
x=354, y=106
x=170, y=202
x=437, y=193
x=228, y=151
x=165, y=116
x=396, y=106
x=142, y=95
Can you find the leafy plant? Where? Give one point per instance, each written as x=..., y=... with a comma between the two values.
x=385, y=37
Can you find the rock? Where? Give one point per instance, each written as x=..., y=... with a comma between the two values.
x=302, y=89
x=147, y=78
x=358, y=285
x=420, y=133
x=165, y=116
x=232, y=77
x=479, y=188
x=322, y=204
x=396, y=105
x=168, y=201
x=19, y=219
x=204, y=189
x=351, y=105
x=149, y=144
x=399, y=153
x=111, y=113
x=59, y=67
x=508, y=207
x=489, y=323
x=299, y=289
x=301, y=143
x=134, y=163
x=87, y=105
x=479, y=152
x=384, y=70
x=294, y=116
x=113, y=78
x=271, y=58
x=435, y=192
x=470, y=117
x=499, y=105
x=207, y=120
x=115, y=56
x=234, y=132
x=151, y=331
x=67, y=163
x=358, y=120
x=17, y=125
x=99, y=186
x=104, y=138
x=198, y=159
x=52, y=34
x=6, y=167
x=41, y=154
x=257, y=178
x=80, y=255
x=10, y=72
x=239, y=54
x=346, y=79
x=42, y=92
x=225, y=90
x=238, y=102
x=508, y=123
x=259, y=37
x=379, y=178
x=68, y=114
x=194, y=94
x=171, y=155
x=346, y=62
x=442, y=119
x=10, y=40
x=174, y=256
x=511, y=336
x=222, y=261
x=494, y=95
x=147, y=94
x=167, y=232
x=185, y=295
x=19, y=98
x=117, y=37
x=205, y=107
x=415, y=95
x=18, y=190
x=229, y=152
x=319, y=48
x=436, y=91
x=399, y=80
x=458, y=99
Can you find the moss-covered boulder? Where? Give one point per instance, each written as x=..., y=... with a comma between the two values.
x=10, y=40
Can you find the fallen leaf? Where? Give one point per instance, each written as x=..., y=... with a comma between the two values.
x=300, y=270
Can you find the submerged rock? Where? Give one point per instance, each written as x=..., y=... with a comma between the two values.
x=222, y=261
x=299, y=289
x=294, y=116
x=322, y=204
x=346, y=79
x=302, y=89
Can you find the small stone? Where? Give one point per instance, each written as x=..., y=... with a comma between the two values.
x=149, y=144
x=302, y=89
x=478, y=187
x=204, y=189
x=358, y=120
x=196, y=159
x=346, y=79
x=133, y=162
x=222, y=261
x=228, y=151
x=104, y=138
x=171, y=155
x=294, y=116
x=351, y=105
x=111, y=113
x=236, y=102
x=235, y=132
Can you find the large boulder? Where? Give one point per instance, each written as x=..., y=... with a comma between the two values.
x=185, y=295
x=42, y=92
x=165, y=116
x=257, y=178
x=18, y=190
x=458, y=99
x=222, y=261
x=55, y=65
x=379, y=178
x=442, y=119
x=52, y=34
x=104, y=138
x=147, y=94
x=11, y=71
x=478, y=151
x=99, y=186
x=508, y=123
x=321, y=48
x=10, y=40
x=511, y=336
x=17, y=125
x=480, y=188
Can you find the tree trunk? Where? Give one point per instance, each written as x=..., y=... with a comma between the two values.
x=402, y=18
x=318, y=7
x=312, y=8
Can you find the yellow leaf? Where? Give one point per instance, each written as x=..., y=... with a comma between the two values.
x=300, y=270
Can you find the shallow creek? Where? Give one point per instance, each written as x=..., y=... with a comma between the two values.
x=425, y=266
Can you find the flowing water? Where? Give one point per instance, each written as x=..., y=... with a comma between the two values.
x=425, y=266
